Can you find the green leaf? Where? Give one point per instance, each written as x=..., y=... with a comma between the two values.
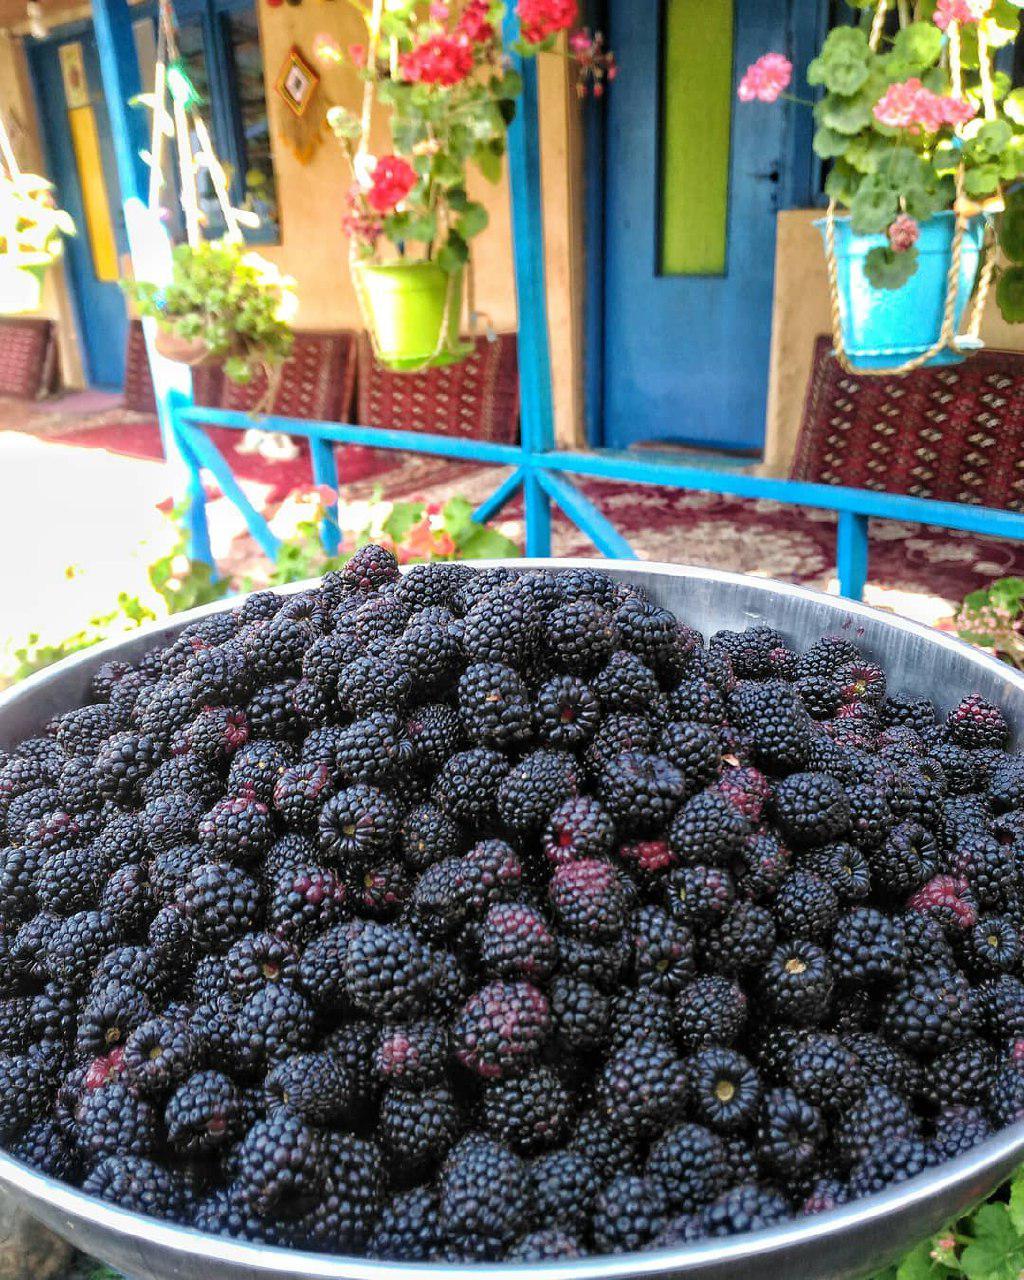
x=842, y=183
x=457, y=517
x=404, y=517
x=482, y=543
x=886, y=269
x=508, y=86
x=828, y=144
x=1010, y=294
x=997, y=1251
x=918, y=46
x=1014, y=106
x=874, y=206
x=920, y=1265
x=489, y=160
x=473, y=221
x=845, y=114
x=981, y=181
x=454, y=254
x=844, y=62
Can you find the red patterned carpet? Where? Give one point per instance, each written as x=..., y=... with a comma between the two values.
x=922, y=572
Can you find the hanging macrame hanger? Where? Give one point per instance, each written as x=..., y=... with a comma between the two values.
x=9, y=160
x=948, y=338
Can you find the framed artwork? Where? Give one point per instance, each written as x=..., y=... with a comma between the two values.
x=297, y=82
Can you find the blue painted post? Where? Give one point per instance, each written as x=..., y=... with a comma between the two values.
x=537, y=412
x=325, y=471
x=119, y=67
x=852, y=554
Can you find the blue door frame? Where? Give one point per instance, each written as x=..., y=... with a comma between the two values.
x=101, y=317
x=664, y=355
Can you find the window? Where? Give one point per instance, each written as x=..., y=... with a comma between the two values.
x=220, y=47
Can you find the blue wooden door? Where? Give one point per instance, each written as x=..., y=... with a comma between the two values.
x=80, y=153
x=693, y=182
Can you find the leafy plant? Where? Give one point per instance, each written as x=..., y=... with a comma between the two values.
x=231, y=300
x=993, y=618
x=443, y=72
x=31, y=225
x=896, y=129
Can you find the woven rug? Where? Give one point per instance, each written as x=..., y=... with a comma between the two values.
x=28, y=357
x=954, y=433
x=477, y=399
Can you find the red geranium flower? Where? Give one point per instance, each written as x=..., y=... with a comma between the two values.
x=474, y=24
x=442, y=59
x=539, y=19
x=393, y=179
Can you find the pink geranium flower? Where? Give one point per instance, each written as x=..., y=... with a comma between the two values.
x=909, y=105
x=962, y=11
x=766, y=79
x=904, y=233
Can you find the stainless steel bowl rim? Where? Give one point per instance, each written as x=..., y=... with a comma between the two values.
x=755, y=1245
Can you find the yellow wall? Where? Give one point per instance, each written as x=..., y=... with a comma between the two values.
x=801, y=313
x=18, y=110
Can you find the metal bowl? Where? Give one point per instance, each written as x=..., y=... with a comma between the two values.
x=849, y=1242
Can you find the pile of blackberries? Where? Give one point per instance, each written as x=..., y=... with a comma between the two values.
x=481, y=915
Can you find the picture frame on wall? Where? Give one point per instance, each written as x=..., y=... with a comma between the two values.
x=297, y=82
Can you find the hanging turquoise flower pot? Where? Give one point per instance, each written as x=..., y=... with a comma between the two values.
x=882, y=328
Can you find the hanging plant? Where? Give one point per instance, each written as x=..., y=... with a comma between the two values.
x=32, y=231
x=444, y=74
x=223, y=305
x=923, y=137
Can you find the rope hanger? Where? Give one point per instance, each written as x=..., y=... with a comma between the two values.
x=948, y=337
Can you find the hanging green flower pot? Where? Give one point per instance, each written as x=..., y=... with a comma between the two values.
x=21, y=282
x=413, y=312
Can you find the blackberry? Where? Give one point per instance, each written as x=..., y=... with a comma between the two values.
x=77, y=789
x=1005, y=1100
x=843, y=866
x=281, y=1166
x=993, y=946
x=408, y=1228
x=169, y=820
x=275, y=1022
x=159, y=1054
x=427, y=835
x=107, y=1019
x=75, y=946
x=698, y=701
x=821, y=695
x=747, y=790
x=368, y=750
x=418, y=1130
x=957, y=1131
x=236, y=829
x=387, y=971
x=579, y=1013
x=699, y=896
x=763, y=863
x=797, y=984
x=642, y=1088
x=896, y=1163
x=412, y=1054
x=580, y=636
x=663, y=951
x=907, y=860
x=484, y=1191
x=369, y=569
x=647, y=630
x=272, y=712
x=641, y=792
x=725, y=1089
x=774, y=718
x=566, y=713
x=27, y=809
x=806, y=907
x=1000, y=1007
x=790, y=1132
x=973, y=723
x=501, y=1029
x=257, y=959
x=628, y=1213
x=711, y=1011
x=64, y=883
x=138, y=1185
x=707, y=830
x=433, y=733
x=565, y=1184
x=494, y=705
x=534, y=788
x=748, y=1207
x=467, y=786
x=882, y=1061
x=221, y=902
x=358, y=826
x=694, y=749
x=811, y=808
x=625, y=684
x=824, y=1072
x=579, y=828
x=743, y=940
x=214, y=735
x=529, y=1113
x=300, y=792
x=83, y=732
x=204, y=1114
x=515, y=942
x=112, y=1121
x=618, y=733
x=868, y=948
x=689, y=1163
x=499, y=629
x=961, y=1076
x=170, y=869
x=45, y=1148
x=316, y=1086
x=988, y=868
x=929, y=1012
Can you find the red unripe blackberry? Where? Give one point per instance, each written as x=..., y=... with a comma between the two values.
x=588, y=899
x=412, y=1054
x=501, y=1029
x=369, y=569
x=515, y=942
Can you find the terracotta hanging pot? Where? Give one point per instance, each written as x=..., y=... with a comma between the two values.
x=191, y=351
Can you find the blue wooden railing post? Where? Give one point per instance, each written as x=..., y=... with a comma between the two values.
x=852, y=554
x=537, y=413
